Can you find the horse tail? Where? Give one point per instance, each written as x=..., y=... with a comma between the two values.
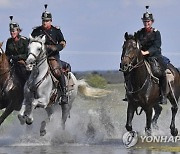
x=89, y=91
x=139, y=111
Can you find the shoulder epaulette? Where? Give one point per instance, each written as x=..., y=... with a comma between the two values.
x=155, y=30
x=23, y=37
x=57, y=27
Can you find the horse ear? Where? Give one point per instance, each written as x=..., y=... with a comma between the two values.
x=44, y=38
x=135, y=35
x=126, y=35
x=30, y=37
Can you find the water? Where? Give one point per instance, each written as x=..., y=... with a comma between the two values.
x=95, y=126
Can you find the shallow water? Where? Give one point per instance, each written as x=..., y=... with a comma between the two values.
x=95, y=126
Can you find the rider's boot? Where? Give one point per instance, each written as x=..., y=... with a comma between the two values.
x=162, y=84
x=64, y=97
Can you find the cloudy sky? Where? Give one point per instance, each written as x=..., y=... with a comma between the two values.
x=94, y=29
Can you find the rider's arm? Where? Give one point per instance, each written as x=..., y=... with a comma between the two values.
x=61, y=41
x=24, y=52
x=156, y=46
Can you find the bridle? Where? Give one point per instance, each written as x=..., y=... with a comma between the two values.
x=41, y=57
x=130, y=66
x=134, y=63
x=39, y=60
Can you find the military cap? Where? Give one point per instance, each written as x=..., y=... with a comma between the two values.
x=14, y=25
x=46, y=15
x=147, y=16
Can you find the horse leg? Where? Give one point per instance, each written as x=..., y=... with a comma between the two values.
x=130, y=114
x=174, y=130
x=49, y=111
x=157, y=109
x=6, y=113
x=21, y=116
x=173, y=98
x=148, y=121
x=28, y=113
x=65, y=113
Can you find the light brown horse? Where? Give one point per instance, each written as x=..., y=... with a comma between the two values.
x=142, y=90
x=11, y=89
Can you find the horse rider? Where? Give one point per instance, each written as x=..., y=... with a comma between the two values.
x=150, y=41
x=17, y=50
x=55, y=42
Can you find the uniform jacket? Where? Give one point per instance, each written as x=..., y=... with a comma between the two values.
x=55, y=38
x=150, y=41
x=17, y=49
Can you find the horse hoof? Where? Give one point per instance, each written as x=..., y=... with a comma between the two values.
x=128, y=128
x=148, y=131
x=42, y=132
x=174, y=132
x=21, y=119
x=29, y=121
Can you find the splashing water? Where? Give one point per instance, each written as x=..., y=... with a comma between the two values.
x=92, y=121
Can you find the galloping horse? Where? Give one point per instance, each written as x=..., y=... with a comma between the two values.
x=41, y=88
x=11, y=89
x=142, y=88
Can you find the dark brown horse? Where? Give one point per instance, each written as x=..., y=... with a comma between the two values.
x=143, y=89
x=11, y=90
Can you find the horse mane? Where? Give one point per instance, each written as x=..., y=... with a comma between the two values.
x=88, y=91
x=40, y=38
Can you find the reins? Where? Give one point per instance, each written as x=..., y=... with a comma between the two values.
x=39, y=60
x=131, y=67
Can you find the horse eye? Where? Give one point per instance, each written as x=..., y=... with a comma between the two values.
x=39, y=49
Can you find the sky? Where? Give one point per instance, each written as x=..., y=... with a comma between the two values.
x=94, y=29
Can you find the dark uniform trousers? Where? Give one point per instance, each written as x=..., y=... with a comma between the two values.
x=56, y=69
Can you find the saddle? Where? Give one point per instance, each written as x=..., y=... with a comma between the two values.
x=168, y=71
x=69, y=84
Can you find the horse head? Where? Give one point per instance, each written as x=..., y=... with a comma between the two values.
x=36, y=51
x=131, y=55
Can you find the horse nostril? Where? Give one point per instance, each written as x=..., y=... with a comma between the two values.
x=125, y=65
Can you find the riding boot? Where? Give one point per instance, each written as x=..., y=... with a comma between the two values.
x=162, y=84
x=64, y=98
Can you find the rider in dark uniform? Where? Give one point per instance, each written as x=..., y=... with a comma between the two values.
x=55, y=42
x=17, y=50
x=150, y=40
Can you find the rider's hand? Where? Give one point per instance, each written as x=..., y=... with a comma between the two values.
x=63, y=43
x=51, y=47
x=144, y=52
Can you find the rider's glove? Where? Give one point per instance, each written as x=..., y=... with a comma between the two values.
x=52, y=48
